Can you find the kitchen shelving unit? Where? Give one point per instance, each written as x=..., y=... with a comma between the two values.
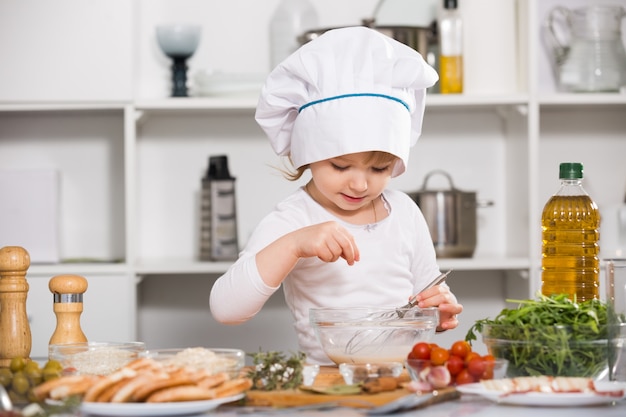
x=131, y=193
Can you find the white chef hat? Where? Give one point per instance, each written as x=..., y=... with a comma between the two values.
x=350, y=90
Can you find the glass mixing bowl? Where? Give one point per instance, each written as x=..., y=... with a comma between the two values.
x=372, y=335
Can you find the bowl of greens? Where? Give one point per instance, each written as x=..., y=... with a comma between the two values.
x=552, y=336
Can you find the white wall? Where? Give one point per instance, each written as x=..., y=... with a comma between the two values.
x=65, y=50
x=107, y=50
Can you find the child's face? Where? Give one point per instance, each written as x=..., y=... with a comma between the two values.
x=350, y=183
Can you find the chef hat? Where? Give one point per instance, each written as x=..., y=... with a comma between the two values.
x=350, y=90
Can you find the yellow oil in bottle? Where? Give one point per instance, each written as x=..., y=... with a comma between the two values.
x=451, y=74
x=570, y=251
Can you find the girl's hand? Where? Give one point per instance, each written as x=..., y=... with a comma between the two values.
x=440, y=296
x=328, y=241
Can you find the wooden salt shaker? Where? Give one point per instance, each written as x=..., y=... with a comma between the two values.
x=15, y=336
x=68, y=293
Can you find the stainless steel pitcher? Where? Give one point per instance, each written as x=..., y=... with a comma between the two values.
x=587, y=47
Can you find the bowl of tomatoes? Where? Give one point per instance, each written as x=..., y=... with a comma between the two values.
x=431, y=366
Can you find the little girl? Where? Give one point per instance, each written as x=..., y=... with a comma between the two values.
x=347, y=106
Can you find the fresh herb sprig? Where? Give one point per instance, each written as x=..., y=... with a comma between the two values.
x=551, y=335
x=274, y=371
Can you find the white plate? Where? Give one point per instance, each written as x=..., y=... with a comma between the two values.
x=564, y=399
x=209, y=84
x=154, y=409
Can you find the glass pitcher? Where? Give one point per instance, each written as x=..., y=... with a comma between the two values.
x=587, y=48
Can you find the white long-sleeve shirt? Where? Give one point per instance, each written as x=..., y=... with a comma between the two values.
x=397, y=259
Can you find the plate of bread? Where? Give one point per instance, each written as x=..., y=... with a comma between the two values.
x=155, y=409
x=148, y=386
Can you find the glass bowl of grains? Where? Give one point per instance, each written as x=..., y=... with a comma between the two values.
x=212, y=360
x=95, y=358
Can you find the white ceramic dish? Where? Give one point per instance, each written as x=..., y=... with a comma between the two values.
x=357, y=373
x=155, y=409
x=565, y=399
x=216, y=84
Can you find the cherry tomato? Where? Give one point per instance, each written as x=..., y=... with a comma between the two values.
x=421, y=350
x=464, y=377
x=490, y=364
x=439, y=356
x=477, y=366
x=455, y=365
x=460, y=348
x=487, y=374
x=470, y=356
x=489, y=358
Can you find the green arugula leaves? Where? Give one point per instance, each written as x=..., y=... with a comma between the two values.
x=551, y=335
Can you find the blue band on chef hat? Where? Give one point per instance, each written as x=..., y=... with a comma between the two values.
x=353, y=95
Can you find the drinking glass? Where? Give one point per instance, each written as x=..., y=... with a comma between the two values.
x=616, y=300
x=179, y=42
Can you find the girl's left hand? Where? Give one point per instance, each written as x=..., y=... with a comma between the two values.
x=440, y=296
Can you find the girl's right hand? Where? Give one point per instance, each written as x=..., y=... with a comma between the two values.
x=328, y=241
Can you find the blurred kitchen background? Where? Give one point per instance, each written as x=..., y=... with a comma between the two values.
x=100, y=169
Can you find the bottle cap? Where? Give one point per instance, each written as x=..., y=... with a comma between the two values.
x=570, y=171
x=218, y=168
x=450, y=4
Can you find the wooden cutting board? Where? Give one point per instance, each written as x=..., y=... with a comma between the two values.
x=327, y=377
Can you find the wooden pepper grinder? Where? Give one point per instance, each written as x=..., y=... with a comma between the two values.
x=15, y=336
x=68, y=293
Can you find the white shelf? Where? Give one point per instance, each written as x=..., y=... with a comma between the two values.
x=248, y=103
x=99, y=268
x=465, y=100
x=582, y=99
x=179, y=267
x=61, y=106
x=187, y=266
x=484, y=264
x=188, y=104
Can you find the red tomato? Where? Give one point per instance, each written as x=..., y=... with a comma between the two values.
x=477, y=366
x=487, y=374
x=471, y=356
x=464, y=377
x=489, y=358
x=421, y=350
x=439, y=355
x=460, y=348
x=490, y=363
x=455, y=365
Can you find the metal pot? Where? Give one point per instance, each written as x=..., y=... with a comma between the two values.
x=451, y=217
x=422, y=39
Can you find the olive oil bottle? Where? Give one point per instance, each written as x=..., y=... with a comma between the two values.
x=570, y=225
x=450, y=28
